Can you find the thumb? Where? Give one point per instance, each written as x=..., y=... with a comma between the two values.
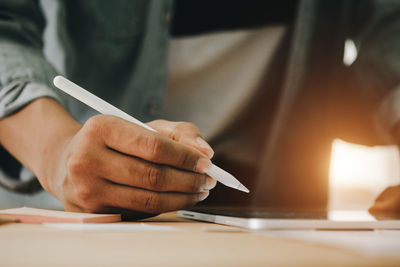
x=183, y=132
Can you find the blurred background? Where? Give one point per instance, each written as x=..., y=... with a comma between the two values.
x=357, y=173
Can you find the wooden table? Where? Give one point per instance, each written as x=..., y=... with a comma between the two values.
x=189, y=244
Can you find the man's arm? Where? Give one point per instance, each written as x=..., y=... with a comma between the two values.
x=109, y=164
x=106, y=165
x=25, y=75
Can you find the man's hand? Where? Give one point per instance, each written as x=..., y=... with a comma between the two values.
x=109, y=164
x=387, y=202
x=114, y=165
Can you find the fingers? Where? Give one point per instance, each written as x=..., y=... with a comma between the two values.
x=147, y=201
x=90, y=194
x=114, y=165
x=388, y=201
x=135, y=140
x=126, y=170
x=183, y=132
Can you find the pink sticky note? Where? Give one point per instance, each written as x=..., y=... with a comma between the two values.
x=31, y=215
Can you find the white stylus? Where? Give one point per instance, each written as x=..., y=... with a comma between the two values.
x=103, y=107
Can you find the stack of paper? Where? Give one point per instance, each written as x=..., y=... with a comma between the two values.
x=31, y=215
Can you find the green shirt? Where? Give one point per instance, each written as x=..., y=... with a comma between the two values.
x=115, y=49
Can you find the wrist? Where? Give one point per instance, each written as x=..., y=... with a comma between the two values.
x=52, y=156
x=37, y=134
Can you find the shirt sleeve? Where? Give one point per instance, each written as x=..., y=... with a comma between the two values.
x=25, y=75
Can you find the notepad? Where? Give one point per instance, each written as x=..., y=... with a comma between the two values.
x=32, y=215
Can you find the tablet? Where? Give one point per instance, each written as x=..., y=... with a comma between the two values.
x=261, y=219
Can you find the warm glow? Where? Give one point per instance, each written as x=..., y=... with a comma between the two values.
x=358, y=173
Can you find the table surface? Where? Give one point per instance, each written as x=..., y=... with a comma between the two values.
x=186, y=243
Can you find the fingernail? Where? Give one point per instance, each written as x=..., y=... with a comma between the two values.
x=210, y=184
x=203, y=144
x=203, y=164
x=203, y=195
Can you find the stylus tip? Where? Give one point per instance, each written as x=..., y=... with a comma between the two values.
x=243, y=188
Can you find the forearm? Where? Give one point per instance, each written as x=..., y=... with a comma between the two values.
x=36, y=134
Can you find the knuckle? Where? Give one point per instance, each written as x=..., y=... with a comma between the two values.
x=155, y=177
x=188, y=126
x=82, y=162
x=84, y=194
x=86, y=198
x=93, y=127
x=151, y=146
x=76, y=165
x=184, y=129
x=185, y=161
x=153, y=203
x=191, y=126
x=178, y=129
x=197, y=183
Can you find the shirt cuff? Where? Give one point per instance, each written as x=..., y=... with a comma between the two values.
x=27, y=182
x=19, y=93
